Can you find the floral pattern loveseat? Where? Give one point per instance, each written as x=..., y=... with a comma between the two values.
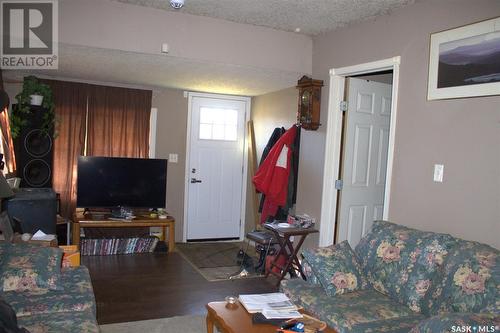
x=44, y=297
x=399, y=280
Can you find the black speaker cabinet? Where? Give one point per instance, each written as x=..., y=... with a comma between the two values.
x=34, y=152
x=34, y=208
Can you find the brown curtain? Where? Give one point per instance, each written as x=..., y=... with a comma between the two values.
x=71, y=107
x=118, y=122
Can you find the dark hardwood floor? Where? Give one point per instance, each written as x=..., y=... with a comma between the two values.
x=157, y=285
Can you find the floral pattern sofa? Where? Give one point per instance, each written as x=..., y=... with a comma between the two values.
x=45, y=297
x=399, y=280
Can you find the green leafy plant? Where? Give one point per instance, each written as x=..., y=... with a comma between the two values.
x=18, y=120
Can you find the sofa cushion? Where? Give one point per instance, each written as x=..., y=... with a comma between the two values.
x=336, y=268
x=471, y=280
x=459, y=322
x=402, y=262
x=358, y=311
x=29, y=267
x=60, y=322
x=77, y=295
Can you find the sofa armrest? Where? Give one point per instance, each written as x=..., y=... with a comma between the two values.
x=459, y=322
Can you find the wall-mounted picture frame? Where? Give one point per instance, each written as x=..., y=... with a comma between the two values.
x=465, y=61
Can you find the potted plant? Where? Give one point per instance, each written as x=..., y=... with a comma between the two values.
x=34, y=93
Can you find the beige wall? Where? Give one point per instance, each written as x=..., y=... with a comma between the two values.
x=462, y=134
x=12, y=89
x=276, y=109
x=171, y=138
x=119, y=26
x=310, y=181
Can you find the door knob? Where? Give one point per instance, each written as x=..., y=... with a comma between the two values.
x=194, y=180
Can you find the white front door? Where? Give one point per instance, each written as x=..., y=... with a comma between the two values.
x=365, y=158
x=215, y=168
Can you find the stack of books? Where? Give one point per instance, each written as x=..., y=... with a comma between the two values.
x=110, y=246
x=272, y=306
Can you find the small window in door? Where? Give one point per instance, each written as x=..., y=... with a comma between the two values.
x=218, y=124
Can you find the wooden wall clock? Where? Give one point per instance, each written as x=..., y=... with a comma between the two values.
x=309, y=103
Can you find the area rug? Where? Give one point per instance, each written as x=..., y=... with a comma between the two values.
x=216, y=261
x=181, y=324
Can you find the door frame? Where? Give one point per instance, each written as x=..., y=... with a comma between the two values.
x=247, y=101
x=334, y=138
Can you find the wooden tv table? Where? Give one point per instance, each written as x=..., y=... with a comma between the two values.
x=233, y=318
x=87, y=221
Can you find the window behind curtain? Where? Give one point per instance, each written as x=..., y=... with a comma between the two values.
x=6, y=145
x=118, y=122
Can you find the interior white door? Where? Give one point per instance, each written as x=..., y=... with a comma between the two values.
x=215, y=174
x=365, y=158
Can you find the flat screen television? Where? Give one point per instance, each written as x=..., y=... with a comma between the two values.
x=109, y=182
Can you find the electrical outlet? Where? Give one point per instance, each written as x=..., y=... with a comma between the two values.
x=438, y=173
x=173, y=158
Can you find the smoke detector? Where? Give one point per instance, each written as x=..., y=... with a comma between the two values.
x=177, y=4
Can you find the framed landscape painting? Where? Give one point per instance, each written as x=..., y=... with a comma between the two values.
x=465, y=61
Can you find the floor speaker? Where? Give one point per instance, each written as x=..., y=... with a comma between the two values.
x=34, y=208
x=34, y=151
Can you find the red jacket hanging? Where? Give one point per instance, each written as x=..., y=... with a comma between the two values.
x=272, y=176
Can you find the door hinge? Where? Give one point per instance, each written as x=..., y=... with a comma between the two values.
x=343, y=106
x=339, y=184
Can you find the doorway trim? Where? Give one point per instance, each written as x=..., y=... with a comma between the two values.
x=247, y=101
x=334, y=136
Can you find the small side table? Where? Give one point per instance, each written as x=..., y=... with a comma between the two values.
x=287, y=248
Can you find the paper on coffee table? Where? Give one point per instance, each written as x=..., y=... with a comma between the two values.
x=259, y=302
x=281, y=314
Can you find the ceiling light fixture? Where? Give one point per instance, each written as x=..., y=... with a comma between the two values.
x=177, y=4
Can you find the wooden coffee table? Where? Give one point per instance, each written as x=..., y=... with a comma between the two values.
x=235, y=319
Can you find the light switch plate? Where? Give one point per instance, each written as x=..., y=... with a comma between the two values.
x=438, y=172
x=173, y=158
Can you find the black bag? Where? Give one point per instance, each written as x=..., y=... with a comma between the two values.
x=8, y=319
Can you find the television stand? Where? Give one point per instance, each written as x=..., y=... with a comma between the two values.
x=89, y=221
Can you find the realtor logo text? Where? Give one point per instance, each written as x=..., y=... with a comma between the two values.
x=29, y=31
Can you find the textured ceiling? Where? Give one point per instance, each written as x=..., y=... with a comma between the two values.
x=137, y=69
x=312, y=17
x=149, y=70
